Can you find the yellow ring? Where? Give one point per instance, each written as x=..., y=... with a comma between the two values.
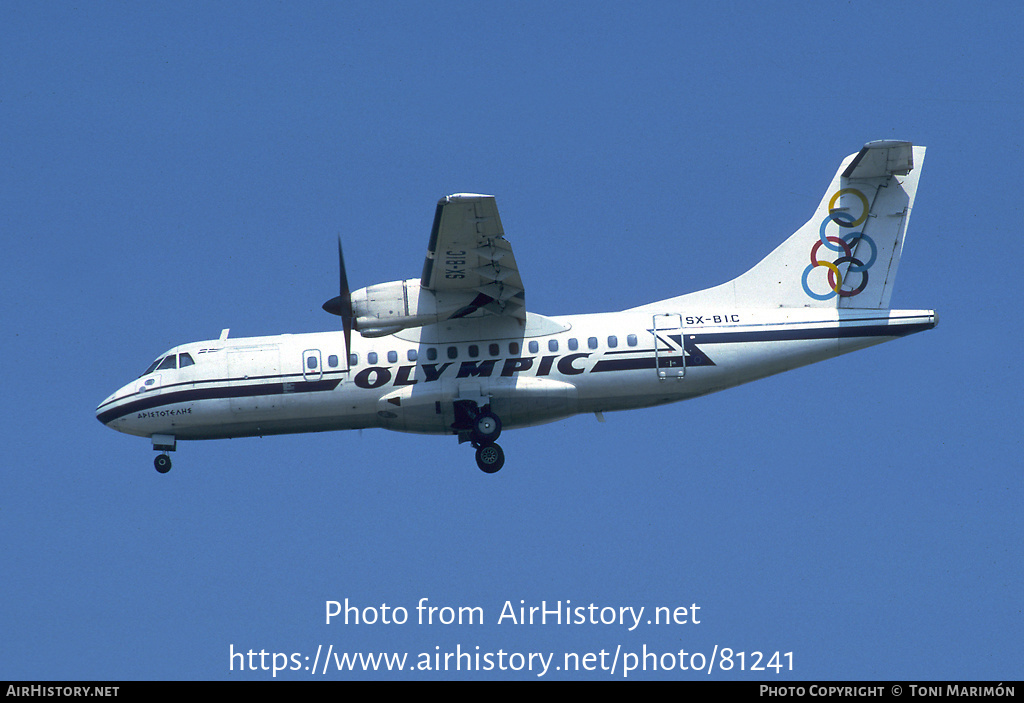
x=834, y=269
x=863, y=200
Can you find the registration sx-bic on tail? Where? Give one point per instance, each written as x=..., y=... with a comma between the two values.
x=455, y=352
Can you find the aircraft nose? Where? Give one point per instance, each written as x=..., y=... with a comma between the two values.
x=108, y=411
x=102, y=410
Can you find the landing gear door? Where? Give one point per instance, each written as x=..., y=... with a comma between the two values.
x=669, y=357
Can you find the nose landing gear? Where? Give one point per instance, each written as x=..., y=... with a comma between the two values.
x=162, y=462
x=163, y=443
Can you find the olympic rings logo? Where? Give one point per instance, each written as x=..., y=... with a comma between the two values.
x=841, y=245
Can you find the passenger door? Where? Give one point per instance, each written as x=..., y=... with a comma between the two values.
x=312, y=365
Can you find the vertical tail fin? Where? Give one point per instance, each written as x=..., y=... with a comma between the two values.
x=846, y=255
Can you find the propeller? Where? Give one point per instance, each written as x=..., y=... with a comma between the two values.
x=342, y=304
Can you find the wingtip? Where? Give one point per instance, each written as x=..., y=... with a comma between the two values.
x=463, y=196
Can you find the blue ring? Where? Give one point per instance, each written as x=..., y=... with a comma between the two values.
x=874, y=250
x=808, y=291
x=824, y=223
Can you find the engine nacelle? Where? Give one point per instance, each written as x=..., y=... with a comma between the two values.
x=386, y=308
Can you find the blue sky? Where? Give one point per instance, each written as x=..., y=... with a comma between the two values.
x=171, y=169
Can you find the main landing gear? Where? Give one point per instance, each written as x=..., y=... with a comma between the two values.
x=490, y=458
x=481, y=427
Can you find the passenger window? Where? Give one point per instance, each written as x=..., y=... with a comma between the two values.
x=332, y=361
x=534, y=347
x=573, y=344
x=170, y=362
x=592, y=342
x=453, y=353
x=494, y=350
x=613, y=341
x=431, y=354
x=392, y=357
x=474, y=351
x=631, y=340
x=411, y=355
x=185, y=360
x=552, y=345
x=310, y=362
x=513, y=348
x=353, y=360
x=371, y=358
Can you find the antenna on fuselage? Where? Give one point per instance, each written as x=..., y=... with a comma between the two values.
x=341, y=305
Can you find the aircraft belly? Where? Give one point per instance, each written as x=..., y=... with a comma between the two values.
x=536, y=401
x=629, y=390
x=519, y=402
x=257, y=428
x=301, y=412
x=737, y=363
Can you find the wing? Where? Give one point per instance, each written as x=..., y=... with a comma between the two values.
x=468, y=253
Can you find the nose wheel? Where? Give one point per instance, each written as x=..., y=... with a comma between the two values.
x=163, y=443
x=162, y=462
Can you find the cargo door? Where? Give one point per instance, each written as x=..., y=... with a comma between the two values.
x=669, y=358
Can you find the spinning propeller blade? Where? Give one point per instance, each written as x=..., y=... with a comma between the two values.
x=342, y=304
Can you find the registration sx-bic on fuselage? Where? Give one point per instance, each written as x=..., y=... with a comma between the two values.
x=456, y=352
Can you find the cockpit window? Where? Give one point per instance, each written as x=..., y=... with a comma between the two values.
x=152, y=367
x=170, y=361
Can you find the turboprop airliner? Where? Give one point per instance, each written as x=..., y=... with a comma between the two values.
x=455, y=352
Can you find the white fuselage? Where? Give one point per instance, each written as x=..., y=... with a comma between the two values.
x=545, y=370
x=456, y=352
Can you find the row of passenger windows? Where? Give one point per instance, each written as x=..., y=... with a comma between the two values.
x=473, y=351
x=180, y=361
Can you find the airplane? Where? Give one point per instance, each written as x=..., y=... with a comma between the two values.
x=455, y=352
